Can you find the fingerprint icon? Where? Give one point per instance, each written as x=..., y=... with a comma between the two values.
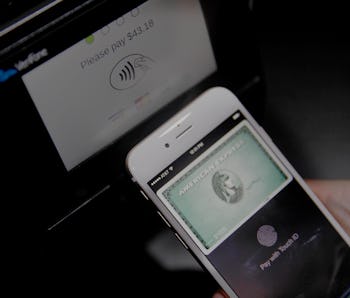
x=267, y=235
x=129, y=71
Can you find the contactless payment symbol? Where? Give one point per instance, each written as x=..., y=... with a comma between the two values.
x=267, y=235
x=129, y=71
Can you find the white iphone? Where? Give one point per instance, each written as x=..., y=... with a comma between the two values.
x=237, y=204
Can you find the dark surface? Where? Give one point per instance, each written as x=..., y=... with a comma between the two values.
x=12, y=10
x=307, y=110
x=101, y=251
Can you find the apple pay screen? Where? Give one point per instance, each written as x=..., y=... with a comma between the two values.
x=257, y=226
x=95, y=91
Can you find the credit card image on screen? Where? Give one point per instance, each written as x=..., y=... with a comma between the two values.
x=215, y=193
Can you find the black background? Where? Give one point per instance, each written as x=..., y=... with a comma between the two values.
x=303, y=51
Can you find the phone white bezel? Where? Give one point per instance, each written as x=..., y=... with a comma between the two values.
x=202, y=115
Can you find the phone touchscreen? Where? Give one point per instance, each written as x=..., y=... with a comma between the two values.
x=251, y=218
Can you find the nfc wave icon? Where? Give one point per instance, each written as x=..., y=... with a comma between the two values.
x=129, y=71
x=6, y=74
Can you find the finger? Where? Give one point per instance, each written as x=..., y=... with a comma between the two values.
x=335, y=195
x=220, y=294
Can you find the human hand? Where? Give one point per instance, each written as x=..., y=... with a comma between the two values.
x=335, y=195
